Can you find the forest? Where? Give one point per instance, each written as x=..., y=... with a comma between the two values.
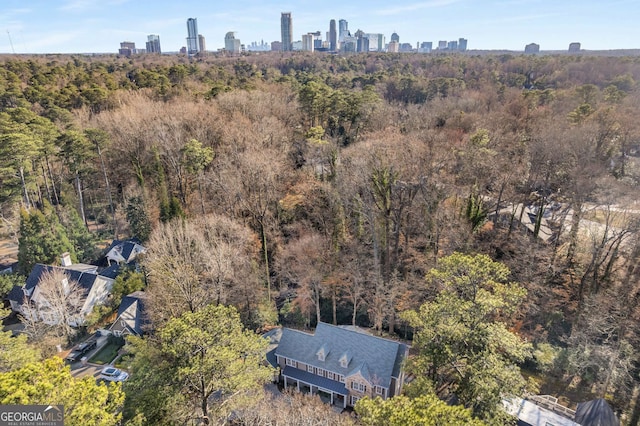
x=483, y=208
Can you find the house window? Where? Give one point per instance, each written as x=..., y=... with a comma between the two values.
x=290, y=362
x=310, y=368
x=344, y=363
x=379, y=390
x=358, y=386
x=330, y=375
x=354, y=399
x=320, y=372
x=340, y=378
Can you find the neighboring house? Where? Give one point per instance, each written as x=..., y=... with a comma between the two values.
x=132, y=317
x=340, y=364
x=95, y=289
x=544, y=410
x=124, y=252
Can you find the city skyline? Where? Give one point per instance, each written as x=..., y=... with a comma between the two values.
x=94, y=26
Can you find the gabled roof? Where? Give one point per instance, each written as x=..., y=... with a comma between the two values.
x=125, y=251
x=111, y=271
x=596, y=413
x=131, y=314
x=84, y=279
x=377, y=359
x=16, y=295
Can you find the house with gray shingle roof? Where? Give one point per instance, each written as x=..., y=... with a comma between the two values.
x=124, y=252
x=342, y=364
x=95, y=289
x=132, y=317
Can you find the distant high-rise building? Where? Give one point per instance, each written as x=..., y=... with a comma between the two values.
x=395, y=37
x=462, y=44
x=393, y=46
x=276, y=46
x=307, y=42
x=426, y=47
x=286, y=30
x=376, y=42
x=192, y=36
x=452, y=45
x=127, y=48
x=442, y=44
x=202, y=44
x=231, y=43
x=574, y=47
x=153, y=43
x=333, y=36
x=362, y=42
x=532, y=48
x=343, y=30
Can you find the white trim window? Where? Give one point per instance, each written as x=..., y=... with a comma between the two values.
x=330, y=375
x=310, y=368
x=320, y=372
x=379, y=390
x=354, y=399
x=340, y=378
x=290, y=362
x=358, y=387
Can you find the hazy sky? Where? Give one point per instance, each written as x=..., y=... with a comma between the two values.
x=72, y=26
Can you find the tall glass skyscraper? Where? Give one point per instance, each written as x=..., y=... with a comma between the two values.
x=192, y=36
x=153, y=43
x=333, y=36
x=286, y=29
x=343, y=30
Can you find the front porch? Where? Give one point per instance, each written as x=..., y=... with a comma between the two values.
x=330, y=391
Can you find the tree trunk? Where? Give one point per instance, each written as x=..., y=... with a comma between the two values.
x=334, y=307
x=53, y=181
x=27, y=202
x=106, y=183
x=46, y=183
x=266, y=258
x=81, y=200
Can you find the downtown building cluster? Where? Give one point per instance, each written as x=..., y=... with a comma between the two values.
x=340, y=39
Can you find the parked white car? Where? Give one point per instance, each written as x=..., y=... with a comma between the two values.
x=112, y=374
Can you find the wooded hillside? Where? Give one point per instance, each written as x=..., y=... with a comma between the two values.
x=303, y=188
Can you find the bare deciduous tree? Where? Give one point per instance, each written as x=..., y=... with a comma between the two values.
x=56, y=301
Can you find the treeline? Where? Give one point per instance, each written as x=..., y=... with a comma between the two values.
x=305, y=188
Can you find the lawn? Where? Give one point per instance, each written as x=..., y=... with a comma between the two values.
x=106, y=354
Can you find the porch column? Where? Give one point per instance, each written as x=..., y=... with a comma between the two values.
x=344, y=401
x=285, y=382
x=298, y=381
x=331, y=398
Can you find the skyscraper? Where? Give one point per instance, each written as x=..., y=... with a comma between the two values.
x=307, y=42
x=202, y=46
x=231, y=43
x=532, y=48
x=395, y=37
x=153, y=43
x=286, y=30
x=333, y=36
x=192, y=36
x=343, y=30
x=462, y=44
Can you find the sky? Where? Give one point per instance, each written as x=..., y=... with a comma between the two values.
x=98, y=26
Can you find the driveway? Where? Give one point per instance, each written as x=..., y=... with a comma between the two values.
x=82, y=369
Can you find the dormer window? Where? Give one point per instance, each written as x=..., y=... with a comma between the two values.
x=322, y=353
x=345, y=359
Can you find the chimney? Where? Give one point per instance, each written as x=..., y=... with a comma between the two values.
x=65, y=259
